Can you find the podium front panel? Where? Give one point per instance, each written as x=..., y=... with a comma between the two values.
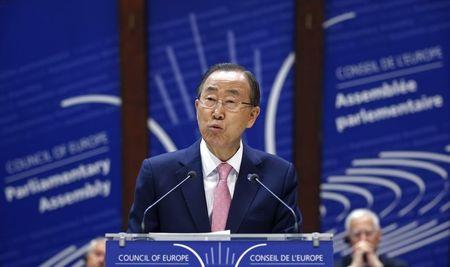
x=239, y=252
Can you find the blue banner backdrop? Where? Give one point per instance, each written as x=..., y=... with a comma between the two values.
x=188, y=37
x=59, y=129
x=386, y=126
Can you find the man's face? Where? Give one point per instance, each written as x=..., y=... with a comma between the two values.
x=96, y=258
x=220, y=127
x=364, y=229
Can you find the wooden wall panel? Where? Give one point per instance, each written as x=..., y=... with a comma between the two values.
x=308, y=99
x=133, y=62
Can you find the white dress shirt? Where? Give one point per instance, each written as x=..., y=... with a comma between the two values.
x=211, y=175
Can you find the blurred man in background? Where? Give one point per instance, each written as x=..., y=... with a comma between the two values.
x=95, y=256
x=364, y=235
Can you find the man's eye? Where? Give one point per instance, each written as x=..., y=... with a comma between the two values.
x=209, y=98
x=231, y=101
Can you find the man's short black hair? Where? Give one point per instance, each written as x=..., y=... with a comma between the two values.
x=254, y=85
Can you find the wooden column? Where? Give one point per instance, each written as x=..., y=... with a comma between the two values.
x=133, y=73
x=307, y=108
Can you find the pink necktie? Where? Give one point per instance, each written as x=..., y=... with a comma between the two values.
x=222, y=199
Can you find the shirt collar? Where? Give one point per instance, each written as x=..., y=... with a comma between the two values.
x=210, y=161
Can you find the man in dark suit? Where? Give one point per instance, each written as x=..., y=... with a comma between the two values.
x=220, y=197
x=364, y=235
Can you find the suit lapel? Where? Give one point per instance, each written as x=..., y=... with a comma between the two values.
x=244, y=192
x=193, y=190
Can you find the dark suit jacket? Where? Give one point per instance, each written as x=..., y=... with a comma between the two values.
x=252, y=210
x=387, y=262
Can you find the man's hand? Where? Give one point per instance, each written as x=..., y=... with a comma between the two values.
x=364, y=255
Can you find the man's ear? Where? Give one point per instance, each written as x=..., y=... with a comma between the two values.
x=254, y=113
x=196, y=108
x=196, y=103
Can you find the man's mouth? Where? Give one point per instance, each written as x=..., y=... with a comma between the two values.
x=215, y=127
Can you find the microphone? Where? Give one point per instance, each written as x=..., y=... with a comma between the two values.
x=254, y=177
x=190, y=174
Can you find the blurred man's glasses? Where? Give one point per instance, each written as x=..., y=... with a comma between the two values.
x=358, y=234
x=231, y=104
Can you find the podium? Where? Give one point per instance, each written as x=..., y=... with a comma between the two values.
x=164, y=249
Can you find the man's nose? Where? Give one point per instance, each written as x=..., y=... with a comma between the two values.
x=218, y=111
